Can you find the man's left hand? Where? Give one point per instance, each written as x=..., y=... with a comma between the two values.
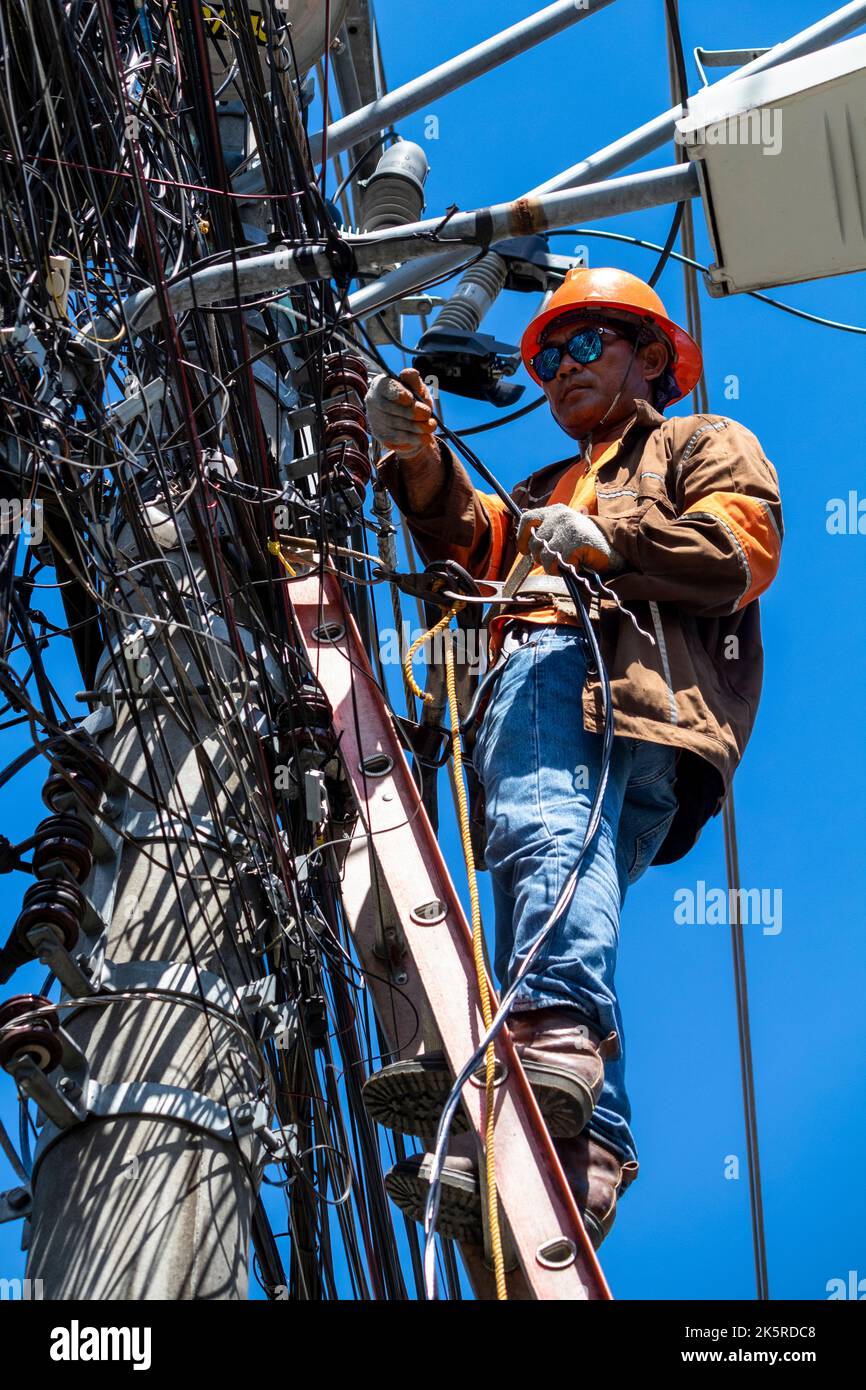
x=558, y=532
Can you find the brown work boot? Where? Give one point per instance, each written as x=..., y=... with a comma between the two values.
x=596, y=1176
x=410, y=1095
x=408, y=1184
x=564, y=1062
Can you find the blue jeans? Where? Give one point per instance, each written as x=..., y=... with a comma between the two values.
x=539, y=768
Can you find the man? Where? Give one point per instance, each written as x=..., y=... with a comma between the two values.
x=681, y=519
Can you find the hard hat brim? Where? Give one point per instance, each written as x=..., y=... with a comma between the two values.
x=687, y=359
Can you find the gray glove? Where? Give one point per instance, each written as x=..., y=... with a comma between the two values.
x=559, y=532
x=397, y=418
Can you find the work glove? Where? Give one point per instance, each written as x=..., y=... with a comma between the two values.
x=397, y=418
x=558, y=532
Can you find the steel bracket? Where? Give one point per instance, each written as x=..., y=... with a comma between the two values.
x=72, y=1101
x=268, y=1018
x=74, y=975
x=255, y=1003
x=15, y=1204
x=58, y=1101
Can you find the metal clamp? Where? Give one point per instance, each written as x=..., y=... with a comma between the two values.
x=269, y=1018
x=256, y=1002
x=58, y=1101
x=16, y=1204
x=73, y=974
x=77, y=1097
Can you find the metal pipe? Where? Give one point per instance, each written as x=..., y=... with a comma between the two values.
x=654, y=133
x=650, y=136
x=454, y=73
x=258, y=273
x=285, y=267
x=348, y=87
x=673, y=184
x=404, y=280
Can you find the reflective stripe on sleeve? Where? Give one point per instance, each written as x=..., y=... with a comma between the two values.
x=751, y=525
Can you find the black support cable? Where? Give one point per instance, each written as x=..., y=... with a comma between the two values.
x=732, y=864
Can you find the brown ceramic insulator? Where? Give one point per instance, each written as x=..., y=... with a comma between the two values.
x=54, y=903
x=316, y=709
x=67, y=839
x=78, y=770
x=356, y=463
x=311, y=726
x=345, y=421
x=21, y=1006
x=344, y=371
x=21, y=1035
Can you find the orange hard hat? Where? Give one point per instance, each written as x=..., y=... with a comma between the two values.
x=608, y=288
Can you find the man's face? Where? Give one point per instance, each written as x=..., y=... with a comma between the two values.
x=581, y=393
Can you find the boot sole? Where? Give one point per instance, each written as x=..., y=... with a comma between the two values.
x=459, y=1216
x=410, y=1096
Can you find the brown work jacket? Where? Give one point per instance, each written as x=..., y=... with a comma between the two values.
x=692, y=505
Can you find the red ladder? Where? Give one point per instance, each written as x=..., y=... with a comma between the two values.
x=404, y=906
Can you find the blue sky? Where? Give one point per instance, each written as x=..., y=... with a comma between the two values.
x=683, y=1230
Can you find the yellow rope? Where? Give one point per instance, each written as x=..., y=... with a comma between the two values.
x=477, y=936
x=276, y=549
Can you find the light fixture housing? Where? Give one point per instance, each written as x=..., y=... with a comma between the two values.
x=781, y=157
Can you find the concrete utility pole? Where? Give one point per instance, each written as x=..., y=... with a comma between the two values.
x=135, y=1207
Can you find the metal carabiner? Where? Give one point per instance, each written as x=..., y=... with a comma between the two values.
x=491, y=591
x=436, y=583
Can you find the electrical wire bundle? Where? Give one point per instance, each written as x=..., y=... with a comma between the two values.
x=162, y=467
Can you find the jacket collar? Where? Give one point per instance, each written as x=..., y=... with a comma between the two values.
x=645, y=417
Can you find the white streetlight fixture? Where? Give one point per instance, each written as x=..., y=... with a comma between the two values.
x=781, y=157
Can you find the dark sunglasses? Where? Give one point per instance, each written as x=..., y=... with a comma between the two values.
x=586, y=346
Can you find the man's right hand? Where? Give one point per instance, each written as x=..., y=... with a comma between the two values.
x=399, y=419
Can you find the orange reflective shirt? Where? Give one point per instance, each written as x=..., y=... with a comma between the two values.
x=576, y=488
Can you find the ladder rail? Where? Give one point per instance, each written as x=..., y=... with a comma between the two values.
x=437, y=972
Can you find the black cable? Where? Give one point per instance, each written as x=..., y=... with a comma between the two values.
x=388, y=134
x=101, y=486
x=699, y=265
x=502, y=419
x=673, y=26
